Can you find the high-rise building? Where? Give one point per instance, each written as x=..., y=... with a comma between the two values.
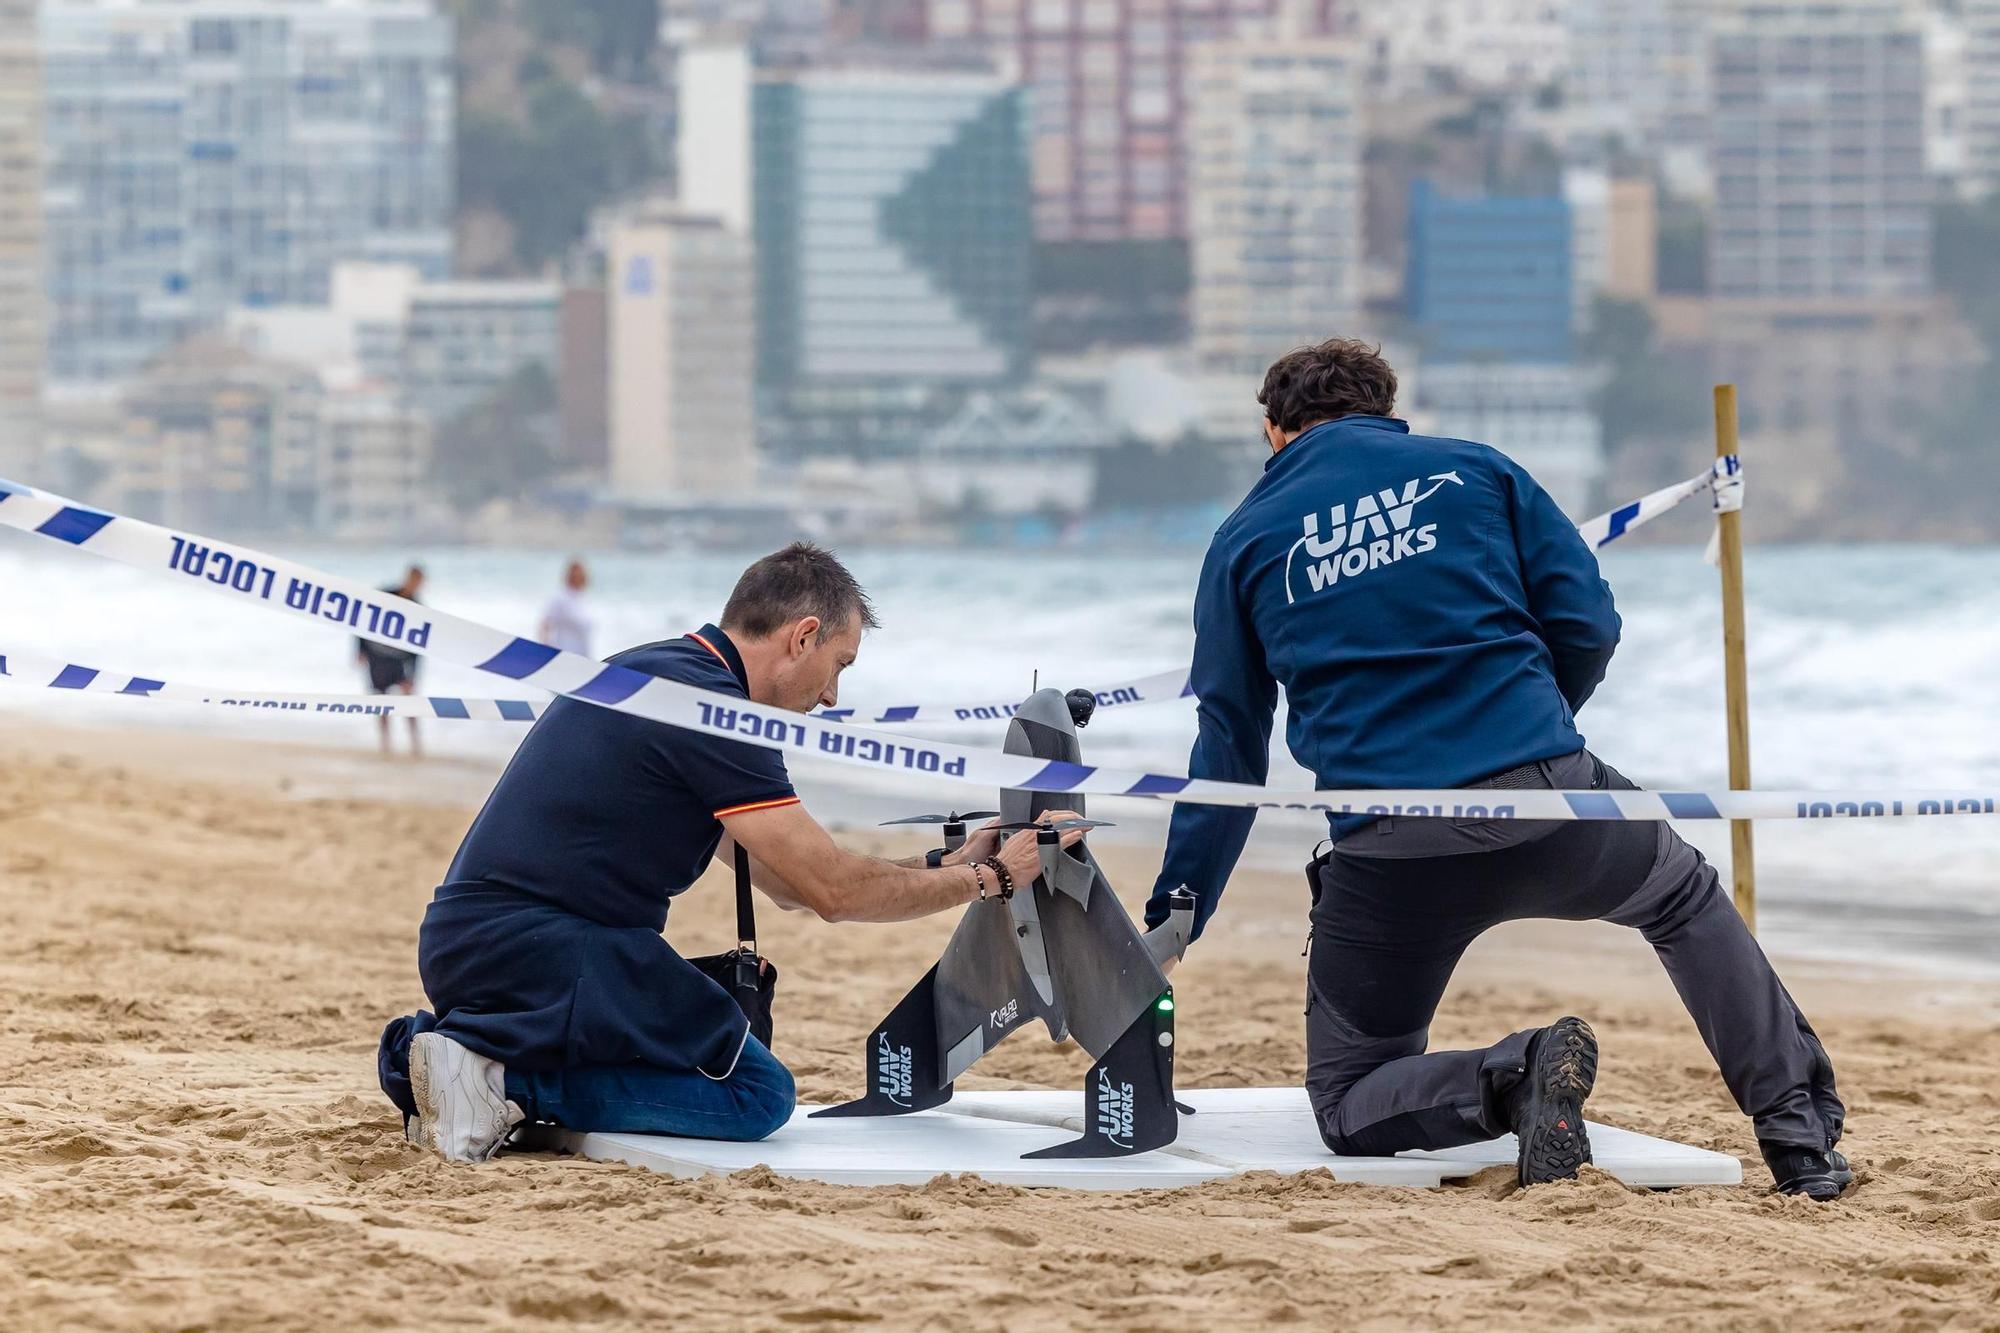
x=463, y=339
x=1834, y=390
x=215, y=436
x=373, y=457
x=583, y=382
x=1639, y=68
x=1490, y=283
x=712, y=144
x=1418, y=46
x=1946, y=44
x=1614, y=236
x=1274, y=195
x=893, y=243
x=682, y=347
x=1817, y=144
x=1106, y=90
x=777, y=27
x=202, y=154
x=20, y=241
x=1982, y=96
x=1538, y=415
x=442, y=346
x=1488, y=278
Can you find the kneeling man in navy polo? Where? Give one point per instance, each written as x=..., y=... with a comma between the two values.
x=558, y=999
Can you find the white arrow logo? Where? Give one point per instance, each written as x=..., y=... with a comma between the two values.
x=1376, y=516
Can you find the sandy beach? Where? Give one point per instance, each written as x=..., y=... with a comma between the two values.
x=202, y=939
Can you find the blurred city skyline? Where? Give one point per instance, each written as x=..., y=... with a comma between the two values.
x=660, y=272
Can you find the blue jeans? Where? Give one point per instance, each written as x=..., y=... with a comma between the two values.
x=753, y=1101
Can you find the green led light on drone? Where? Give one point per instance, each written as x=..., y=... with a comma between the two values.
x=1166, y=1004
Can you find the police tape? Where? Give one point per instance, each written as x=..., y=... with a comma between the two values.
x=19, y=668
x=1723, y=481
x=290, y=588
x=1161, y=688
x=51, y=673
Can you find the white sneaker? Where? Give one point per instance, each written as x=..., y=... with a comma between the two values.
x=462, y=1106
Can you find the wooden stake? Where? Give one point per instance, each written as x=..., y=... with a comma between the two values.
x=1735, y=667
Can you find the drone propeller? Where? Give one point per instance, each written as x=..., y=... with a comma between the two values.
x=1063, y=827
x=953, y=818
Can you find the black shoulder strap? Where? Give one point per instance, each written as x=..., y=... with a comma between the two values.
x=746, y=911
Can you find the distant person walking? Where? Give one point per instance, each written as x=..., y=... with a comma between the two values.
x=391, y=670
x=566, y=621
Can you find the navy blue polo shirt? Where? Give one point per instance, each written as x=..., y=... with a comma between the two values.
x=608, y=815
x=542, y=949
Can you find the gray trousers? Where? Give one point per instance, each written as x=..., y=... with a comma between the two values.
x=1399, y=901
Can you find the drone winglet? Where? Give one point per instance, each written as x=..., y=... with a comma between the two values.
x=1169, y=939
x=903, y=1063
x=1059, y=951
x=1128, y=1096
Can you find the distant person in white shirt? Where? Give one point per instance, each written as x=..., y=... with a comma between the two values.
x=566, y=622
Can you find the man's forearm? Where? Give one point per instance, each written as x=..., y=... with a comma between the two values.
x=868, y=888
x=1204, y=843
x=959, y=857
x=799, y=865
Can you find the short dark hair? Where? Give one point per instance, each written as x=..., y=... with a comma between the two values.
x=1337, y=378
x=801, y=580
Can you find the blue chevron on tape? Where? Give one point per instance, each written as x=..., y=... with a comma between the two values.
x=73, y=525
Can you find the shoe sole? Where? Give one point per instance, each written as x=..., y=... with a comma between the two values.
x=1822, y=1187
x=420, y=1093
x=1554, y=1142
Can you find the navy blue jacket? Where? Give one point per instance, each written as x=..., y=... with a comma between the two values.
x=1433, y=617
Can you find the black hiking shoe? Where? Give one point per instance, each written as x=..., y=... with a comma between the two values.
x=1820, y=1176
x=1548, y=1104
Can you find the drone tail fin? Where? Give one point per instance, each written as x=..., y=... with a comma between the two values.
x=904, y=1067
x=1128, y=1096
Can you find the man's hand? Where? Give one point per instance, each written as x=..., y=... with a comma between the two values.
x=1022, y=855
x=794, y=862
x=985, y=840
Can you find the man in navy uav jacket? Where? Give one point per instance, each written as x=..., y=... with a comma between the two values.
x=1436, y=621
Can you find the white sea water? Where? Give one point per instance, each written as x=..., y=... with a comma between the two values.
x=1870, y=666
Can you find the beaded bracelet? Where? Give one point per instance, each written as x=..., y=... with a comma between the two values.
x=1006, y=880
x=979, y=878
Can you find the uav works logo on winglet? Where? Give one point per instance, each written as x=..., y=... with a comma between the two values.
x=1377, y=533
x=1114, y=1110
x=895, y=1075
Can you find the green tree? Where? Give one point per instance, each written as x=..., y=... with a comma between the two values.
x=501, y=446
x=1647, y=396
x=1965, y=260
x=1962, y=429
x=1681, y=248
x=618, y=35
x=1134, y=474
x=1115, y=293
x=547, y=174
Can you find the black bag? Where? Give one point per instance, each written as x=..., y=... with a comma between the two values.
x=749, y=978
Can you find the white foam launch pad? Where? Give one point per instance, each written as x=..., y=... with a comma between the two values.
x=1233, y=1130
